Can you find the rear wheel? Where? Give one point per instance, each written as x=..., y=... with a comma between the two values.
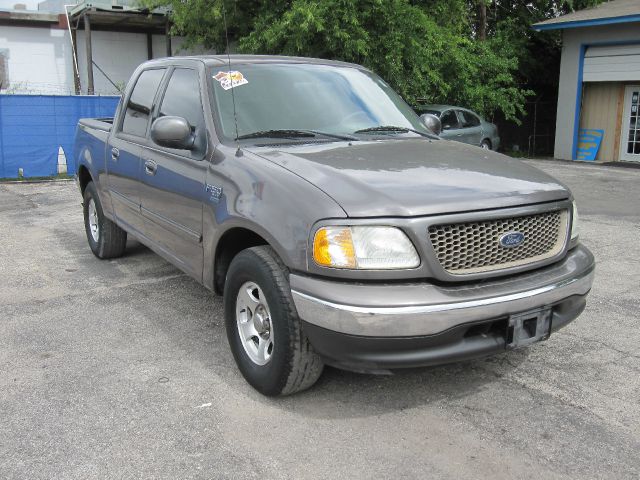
x=486, y=144
x=263, y=328
x=105, y=238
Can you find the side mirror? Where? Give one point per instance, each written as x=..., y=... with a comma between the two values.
x=173, y=132
x=431, y=122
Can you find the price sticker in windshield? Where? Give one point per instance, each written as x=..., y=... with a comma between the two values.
x=229, y=80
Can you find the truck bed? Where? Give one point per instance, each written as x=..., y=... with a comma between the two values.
x=103, y=124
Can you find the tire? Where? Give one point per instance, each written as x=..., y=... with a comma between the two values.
x=486, y=144
x=290, y=363
x=106, y=239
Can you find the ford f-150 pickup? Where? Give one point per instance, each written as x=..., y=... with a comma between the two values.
x=339, y=228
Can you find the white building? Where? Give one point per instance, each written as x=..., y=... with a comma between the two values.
x=37, y=57
x=599, y=91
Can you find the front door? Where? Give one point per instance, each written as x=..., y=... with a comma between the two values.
x=630, y=135
x=450, y=126
x=173, y=181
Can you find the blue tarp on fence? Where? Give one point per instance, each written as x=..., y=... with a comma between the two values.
x=34, y=127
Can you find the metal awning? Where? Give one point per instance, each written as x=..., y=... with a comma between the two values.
x=116, y=16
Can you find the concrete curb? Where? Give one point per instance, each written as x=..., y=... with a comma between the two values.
x=26, y=182
x=587, y=163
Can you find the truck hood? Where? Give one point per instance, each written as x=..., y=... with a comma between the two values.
x=411, y=177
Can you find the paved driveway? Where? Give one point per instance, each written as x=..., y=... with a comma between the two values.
x=120, y=369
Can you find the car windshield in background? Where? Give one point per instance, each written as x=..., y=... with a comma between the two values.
x=302, y=100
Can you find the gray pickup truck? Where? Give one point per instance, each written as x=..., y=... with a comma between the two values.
x=338, y=226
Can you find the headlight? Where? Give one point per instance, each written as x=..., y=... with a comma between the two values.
x=574, y=223
x=366, y=248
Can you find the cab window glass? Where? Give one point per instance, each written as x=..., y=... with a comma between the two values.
x=136, y=117
x=182, y=98
x=449, y=120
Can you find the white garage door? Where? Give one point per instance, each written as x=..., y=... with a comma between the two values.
x=611, y=64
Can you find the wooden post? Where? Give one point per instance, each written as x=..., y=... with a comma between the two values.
x=167, y=31
x=87, y=40
x=149, y=46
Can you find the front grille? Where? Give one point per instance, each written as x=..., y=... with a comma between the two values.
x=474, y=247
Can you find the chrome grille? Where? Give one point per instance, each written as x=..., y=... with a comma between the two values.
x=474, y=247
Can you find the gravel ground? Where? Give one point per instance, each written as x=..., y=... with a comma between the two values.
x=120, y=369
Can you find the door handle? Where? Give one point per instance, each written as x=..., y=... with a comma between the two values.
x=115, y=153
x=150, y=167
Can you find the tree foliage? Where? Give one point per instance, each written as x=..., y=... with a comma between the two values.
x=428, y=50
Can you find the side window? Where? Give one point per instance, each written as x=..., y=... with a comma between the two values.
x=469, y=120
x=136, y=116
x=182, y=98
x=449, y=120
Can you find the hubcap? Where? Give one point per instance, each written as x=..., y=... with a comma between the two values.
x=485, y=146
x=94, y=225
x=254, y=323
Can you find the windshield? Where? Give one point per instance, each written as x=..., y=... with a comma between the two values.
x=312, y=98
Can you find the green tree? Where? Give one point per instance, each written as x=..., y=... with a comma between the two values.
x=475, y=53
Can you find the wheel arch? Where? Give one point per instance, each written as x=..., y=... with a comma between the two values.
x=84, y=177
x=230, y=243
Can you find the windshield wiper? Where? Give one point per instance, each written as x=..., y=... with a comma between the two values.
x=292, y=133
x=276, y=134
x=392, y=128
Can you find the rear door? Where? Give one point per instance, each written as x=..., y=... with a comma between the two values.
x=470, y=128
x=125, y=148
x=173, y=181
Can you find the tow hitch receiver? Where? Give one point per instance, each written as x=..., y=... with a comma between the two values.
x=528, y=327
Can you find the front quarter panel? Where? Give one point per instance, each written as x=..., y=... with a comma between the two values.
x=251, y=192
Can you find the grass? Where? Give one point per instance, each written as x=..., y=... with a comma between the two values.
x=516, y=154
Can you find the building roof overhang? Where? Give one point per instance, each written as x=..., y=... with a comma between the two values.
x=608, y=13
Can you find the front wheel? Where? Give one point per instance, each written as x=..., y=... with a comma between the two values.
x=105, y=238
x=486, y=144
x=263, y=328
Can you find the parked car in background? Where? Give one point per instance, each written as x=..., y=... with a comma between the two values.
x=463, y=125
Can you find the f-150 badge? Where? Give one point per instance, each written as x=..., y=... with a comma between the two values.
x=215, y=191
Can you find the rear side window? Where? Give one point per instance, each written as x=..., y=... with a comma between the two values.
x=182, y=97
x=468, y=119
x=136, y=117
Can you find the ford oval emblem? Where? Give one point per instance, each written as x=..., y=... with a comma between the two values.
x=511, y=239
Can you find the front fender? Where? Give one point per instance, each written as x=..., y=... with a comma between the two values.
x=253, y=193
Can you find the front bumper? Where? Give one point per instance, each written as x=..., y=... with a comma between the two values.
x=379, y=326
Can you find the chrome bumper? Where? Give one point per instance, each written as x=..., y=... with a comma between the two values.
x=418, y=309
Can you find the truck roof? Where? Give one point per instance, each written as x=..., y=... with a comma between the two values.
x=223, y=59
